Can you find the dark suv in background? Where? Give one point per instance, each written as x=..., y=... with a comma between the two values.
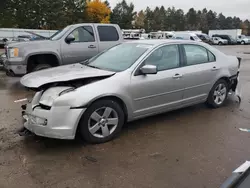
x=205, y=38
x=229, y=38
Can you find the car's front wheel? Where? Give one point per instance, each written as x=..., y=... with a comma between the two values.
x=218, y=94
x=102, y=121
x=243, y=42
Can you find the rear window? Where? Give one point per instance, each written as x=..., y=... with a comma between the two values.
x=107, y=33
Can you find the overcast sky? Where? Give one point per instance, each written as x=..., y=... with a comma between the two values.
x=240, y=8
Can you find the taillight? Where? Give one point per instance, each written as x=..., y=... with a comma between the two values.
x=239, y=59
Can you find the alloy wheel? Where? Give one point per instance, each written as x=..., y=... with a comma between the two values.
x=103, y=122
x=220, y=94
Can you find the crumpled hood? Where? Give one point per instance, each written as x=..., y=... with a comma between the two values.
x=62, y=74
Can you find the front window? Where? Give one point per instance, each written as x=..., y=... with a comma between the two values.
x=120, y=57
x=83, y=34
x=164, y=58
x=58, y=35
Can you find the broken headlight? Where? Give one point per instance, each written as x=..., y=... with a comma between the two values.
x=51, y=94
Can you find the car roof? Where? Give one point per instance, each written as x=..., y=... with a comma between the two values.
x=162, y=41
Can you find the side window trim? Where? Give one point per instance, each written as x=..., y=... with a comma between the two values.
x=92, y=34
x=208, y=51
x=142, y=62
x=85, y=30
x=185, y=56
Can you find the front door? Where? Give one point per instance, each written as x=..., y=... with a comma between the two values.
x=199, y=73
x=84, y=47
x=154, y=93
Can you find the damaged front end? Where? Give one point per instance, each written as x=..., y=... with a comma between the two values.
x=43, y=117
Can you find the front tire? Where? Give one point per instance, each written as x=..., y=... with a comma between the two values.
x=102, y=121
x=243, y=42
x=220, y=43
x=41, y=67
x=218, y=94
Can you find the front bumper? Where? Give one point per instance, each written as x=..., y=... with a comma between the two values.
x=57, y=122
x=15, y=66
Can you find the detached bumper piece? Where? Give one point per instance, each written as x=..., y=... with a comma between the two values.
x=234, y=82
x=240, y=177
x=24, y=132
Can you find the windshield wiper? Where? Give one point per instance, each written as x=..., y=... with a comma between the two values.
x=92, y=66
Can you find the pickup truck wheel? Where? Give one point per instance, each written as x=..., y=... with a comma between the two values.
x=41, y=67
x=243, y=42
x=218, y=94
x=220, y=43
x=101, y=122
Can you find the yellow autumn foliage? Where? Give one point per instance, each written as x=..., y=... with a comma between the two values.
x=97, y=11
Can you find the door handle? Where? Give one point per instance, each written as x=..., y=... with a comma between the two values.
x=177, y=76
x=214, y=68
x=91, y=46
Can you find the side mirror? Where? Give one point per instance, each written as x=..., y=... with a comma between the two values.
x=70, y=39
x=148, y=69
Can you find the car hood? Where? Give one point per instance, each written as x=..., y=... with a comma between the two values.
x=35, y=43
x=62, y=74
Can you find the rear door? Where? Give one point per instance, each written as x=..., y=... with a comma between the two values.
x=199, y=72
x=84, y=47
x=108, y=36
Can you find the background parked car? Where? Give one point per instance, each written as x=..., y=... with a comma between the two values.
x=187, y=36
x=2, y=58
x=219, y=41
x=229, y=38
x=205, y=38
x=242, y=39
x=73, y=44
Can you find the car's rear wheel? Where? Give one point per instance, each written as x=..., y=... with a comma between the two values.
x=218, y=94
x=243, y=42
x=220, y=43
x=102, y=121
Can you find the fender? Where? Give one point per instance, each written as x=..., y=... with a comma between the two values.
x=43, y=53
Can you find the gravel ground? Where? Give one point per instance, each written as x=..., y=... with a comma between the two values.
x=192, y=147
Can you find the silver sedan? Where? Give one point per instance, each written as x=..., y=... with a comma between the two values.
x=130, y=81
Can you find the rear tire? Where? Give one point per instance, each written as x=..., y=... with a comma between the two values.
x=101, y=122
x=243, y=42
x=218, y=94
x=220, y=43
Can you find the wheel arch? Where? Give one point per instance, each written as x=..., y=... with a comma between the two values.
x=36, y=55
x=108, y=97
x=113, y=98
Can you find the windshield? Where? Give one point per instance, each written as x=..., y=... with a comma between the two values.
x=195, y=37
x=206, y=36
x=120, y=57
x=60, y=33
